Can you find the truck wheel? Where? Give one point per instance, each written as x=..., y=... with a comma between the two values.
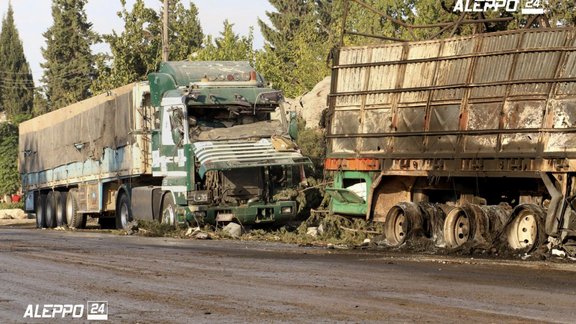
x=41, y=210
x=458, y=227
x=168, y=210
x=61, y=219
x=73, y=218
x=526, y=227
x=402, y=219
x=123, y=212
x=51, y=209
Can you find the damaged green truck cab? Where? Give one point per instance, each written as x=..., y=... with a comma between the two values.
x=220, y=155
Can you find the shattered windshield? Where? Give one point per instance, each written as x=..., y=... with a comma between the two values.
x=230, y=123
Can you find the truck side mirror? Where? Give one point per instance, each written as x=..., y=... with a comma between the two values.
x=293, y=126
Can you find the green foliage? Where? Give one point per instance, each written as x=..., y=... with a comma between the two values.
x=9, y=178
x=228, y=47
x=69, y=67
x=561, y=12
x=156, y=229
x=312, y=143
x=426, y=12
x=137, y=50
x=185, y=33
x=17, y=119
x=297, y=45
x=16, y=83
x=41, y=105
x=11, y=205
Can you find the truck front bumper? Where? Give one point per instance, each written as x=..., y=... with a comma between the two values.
x=258, y=213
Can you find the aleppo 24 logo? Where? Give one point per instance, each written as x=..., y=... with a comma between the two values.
x=530, y=7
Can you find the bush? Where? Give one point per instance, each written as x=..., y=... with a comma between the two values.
x=312, y=143
x=11, y=205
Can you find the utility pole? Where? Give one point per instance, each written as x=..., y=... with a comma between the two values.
x=165, y=47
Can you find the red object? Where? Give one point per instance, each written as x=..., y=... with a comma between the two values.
x=16, y=198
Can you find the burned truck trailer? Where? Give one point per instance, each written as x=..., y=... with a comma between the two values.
x=465, y=139
x=195, y=144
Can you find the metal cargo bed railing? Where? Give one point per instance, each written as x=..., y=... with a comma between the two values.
x=497, y=94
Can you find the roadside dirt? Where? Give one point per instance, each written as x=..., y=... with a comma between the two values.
x=151, y=280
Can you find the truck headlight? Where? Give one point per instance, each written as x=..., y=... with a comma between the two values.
x=286, y=210
x=199, y=196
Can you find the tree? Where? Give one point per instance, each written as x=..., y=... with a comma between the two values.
x=69, y=68
x=184, y=31
x=9, y=178
x=16, y=83
x=297, y=44
x=561, y=13
x=136, y=51
x=41, y=105
x=228, y=47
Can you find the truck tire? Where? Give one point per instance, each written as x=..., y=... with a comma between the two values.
x=123, y=212
x=168, y=215
x=41, y=210
x=61, y=219
x=402, y=220
x=73, y=218
x=525, y=228
x=459, y=226
x=51, y=209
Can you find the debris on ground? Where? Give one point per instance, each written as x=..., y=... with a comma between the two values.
x=132, y=228
x=322, y=229
x=233, y=230
x=13, y=214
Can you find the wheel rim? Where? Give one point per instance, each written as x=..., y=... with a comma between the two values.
x=396, y=226
x=124, y=215
x=523, y=231
x=399, y=227
x=457, y=228
x=461, y=229
x=168, y=215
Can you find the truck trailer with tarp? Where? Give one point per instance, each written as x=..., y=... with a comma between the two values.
x=195, y=144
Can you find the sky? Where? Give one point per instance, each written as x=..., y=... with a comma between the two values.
x=34, y=17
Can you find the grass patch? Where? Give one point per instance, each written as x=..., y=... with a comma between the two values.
x=11, y=205
x=156, y=229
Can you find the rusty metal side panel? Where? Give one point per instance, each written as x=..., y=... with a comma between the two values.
x=498, y=95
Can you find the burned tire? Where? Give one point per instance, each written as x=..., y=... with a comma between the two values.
x=74, y=219
x=51, y=208
x=168, y=214
x=123, y=212
x=458, y=227
x=40, y=210
x=525, y=229
x=61, y=219
x=401, y=220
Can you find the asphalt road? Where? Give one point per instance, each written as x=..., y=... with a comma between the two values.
x=160, y=280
